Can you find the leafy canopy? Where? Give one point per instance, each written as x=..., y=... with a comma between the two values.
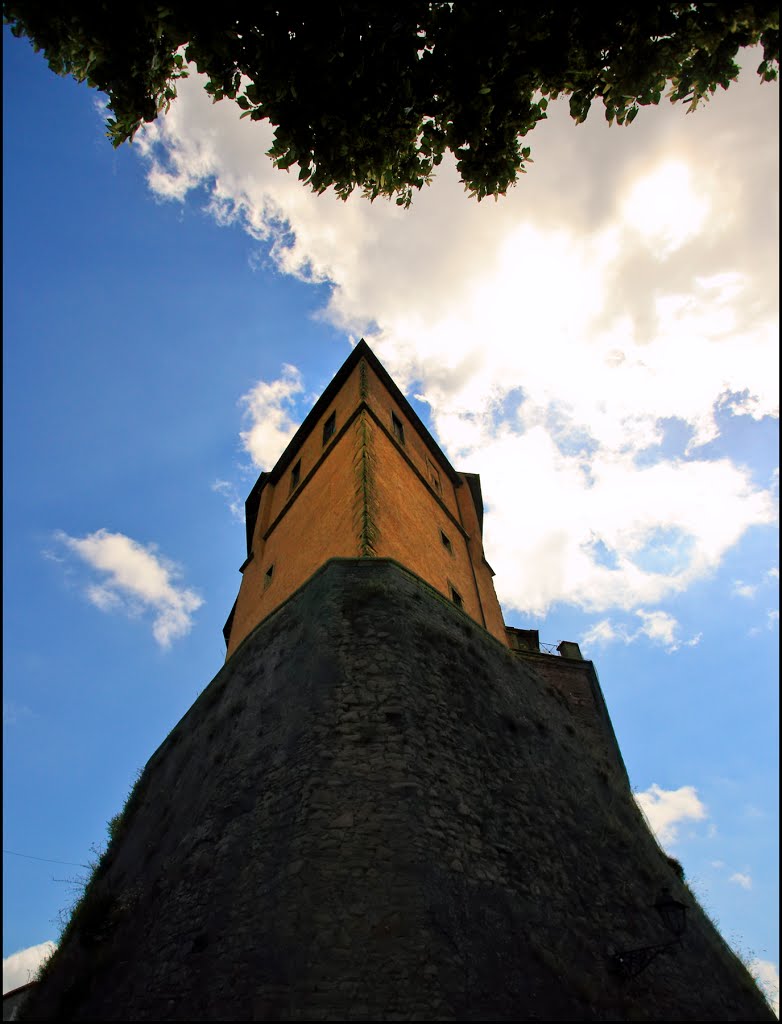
x=371, y=95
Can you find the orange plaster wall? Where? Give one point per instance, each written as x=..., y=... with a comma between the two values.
x=312, y=447
x=491, y=606
x=383, y=404
x=319, y=524
x=263, y=519
x=409, y=518
x=319, y=520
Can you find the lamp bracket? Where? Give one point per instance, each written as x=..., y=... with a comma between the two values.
x=631, y=962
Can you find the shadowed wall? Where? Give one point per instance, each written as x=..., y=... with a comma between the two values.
x=377, y=811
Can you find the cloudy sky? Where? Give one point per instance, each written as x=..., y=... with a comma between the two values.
x=600, y=345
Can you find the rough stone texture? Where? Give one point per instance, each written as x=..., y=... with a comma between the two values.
x=376, y=811
x=575, y=680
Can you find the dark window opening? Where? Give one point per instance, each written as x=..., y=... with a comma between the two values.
x=268, y=576
x=296, y=475
x=399, y=430
x=434, y=476
x=456, y=597
x=329, y=427
x=446, y=542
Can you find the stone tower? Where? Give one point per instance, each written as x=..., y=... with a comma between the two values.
x=386, y=805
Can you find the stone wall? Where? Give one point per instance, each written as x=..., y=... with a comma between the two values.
x=376, y=811
x=576, y=682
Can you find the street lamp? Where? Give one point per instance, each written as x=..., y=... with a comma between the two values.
x=672, y=912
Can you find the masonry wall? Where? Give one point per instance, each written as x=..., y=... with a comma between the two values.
x=316, y=523
x=409, y=519
x=490, y=606
x=364, y=493
x=375, y=811
x=312, y=448
x=383, y=405
x=576, y=684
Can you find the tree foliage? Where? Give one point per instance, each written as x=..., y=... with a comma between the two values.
x=371, y=95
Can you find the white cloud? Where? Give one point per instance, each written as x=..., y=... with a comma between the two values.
x=549, y=513
x=718, y=864
x=662, y=628
x=20, y=968
x=666, y=809
x=52, y=556
x=136, y=579
x=231, y=495
x=742, y=879
x=751, y=811
x=269, y=407
x=771, y=623
x=602, y=633
x=767, y=975
x=747, y=590
x=553, y=334
x=657, y=626
x=104, y=597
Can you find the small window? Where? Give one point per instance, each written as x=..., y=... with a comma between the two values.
x=295, y=476
x=329, y=427
x=434, y=476
x=399, y=430
x=456, y=597
x=446, y=542
x=268, y=576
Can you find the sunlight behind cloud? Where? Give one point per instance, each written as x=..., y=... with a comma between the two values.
x=584, y=314
x=665, y=207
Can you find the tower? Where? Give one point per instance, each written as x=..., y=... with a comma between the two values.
x=386, y=805
x=363, y=477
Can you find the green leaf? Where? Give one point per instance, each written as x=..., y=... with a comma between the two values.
x=384, y=120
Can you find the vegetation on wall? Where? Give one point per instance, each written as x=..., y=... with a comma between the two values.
x=366, y=502
x=96, y=909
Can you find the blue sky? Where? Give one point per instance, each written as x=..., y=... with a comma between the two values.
x=600, y=346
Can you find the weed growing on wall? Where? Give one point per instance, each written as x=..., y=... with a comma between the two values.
x=93, y=910
x=364, y=465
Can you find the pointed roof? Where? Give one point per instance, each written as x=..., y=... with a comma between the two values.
x=361, y=351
